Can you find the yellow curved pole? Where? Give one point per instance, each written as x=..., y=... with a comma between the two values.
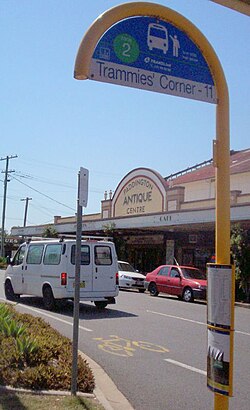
x=221, y=145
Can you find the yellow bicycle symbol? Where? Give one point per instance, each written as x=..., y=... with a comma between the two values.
x=125, y=347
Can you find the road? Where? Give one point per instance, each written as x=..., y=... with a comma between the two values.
x=154, y=349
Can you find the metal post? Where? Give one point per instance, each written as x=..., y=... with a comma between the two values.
x=77, y=294
x=4, y=205
x=222, y=153
x=4, y=199
x=222, y=228
x=26, y=209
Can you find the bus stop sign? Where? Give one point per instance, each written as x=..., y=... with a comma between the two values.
x=151, y=54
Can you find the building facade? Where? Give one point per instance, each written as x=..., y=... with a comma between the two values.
x=155, y=219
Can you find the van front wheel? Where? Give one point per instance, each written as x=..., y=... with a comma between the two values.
x=9, y=292
x=48, y=298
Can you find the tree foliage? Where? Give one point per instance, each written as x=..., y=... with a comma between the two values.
x=50, y=232
x=110, y=230
x=240, y=252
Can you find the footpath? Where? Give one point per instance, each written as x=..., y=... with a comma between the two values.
x=106, y=391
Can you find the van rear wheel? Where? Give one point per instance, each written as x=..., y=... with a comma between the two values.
x=48, y=298
x=100, y=304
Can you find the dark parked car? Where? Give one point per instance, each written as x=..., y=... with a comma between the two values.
x=185, y=282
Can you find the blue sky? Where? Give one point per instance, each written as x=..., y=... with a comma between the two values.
x=56, y=124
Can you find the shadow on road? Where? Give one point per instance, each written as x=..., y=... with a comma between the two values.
x=86, y=312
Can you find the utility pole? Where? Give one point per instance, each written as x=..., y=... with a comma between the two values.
x=7, y=171
x=26, y=209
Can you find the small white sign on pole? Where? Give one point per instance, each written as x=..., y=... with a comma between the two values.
x=82, y=200
x=83, y=188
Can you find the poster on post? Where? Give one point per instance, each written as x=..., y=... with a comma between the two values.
x=219, y=295
x=218, y=361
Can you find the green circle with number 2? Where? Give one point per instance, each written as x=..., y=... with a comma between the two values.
x=126, y=48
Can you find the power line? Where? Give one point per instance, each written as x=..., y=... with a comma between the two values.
x=20, y=174
x=41, y=193
x=60, y=166
x=46, y=211
x=50, y=182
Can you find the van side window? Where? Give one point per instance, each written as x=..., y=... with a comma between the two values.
x=18, y=258
x=103, y=255
x=85, y=255
x=52, y=255
x=35, y=254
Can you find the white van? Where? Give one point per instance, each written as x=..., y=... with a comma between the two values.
x=46, y=268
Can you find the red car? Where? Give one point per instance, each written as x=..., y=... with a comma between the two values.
x=185, y=282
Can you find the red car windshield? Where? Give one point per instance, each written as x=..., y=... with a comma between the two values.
x=193, y=274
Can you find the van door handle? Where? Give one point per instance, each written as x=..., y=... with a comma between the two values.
x=96, y=269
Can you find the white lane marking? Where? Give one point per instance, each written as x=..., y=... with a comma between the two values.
x=186, y=366
x=177, y=317
x=242, y=333
x=190, y=320
x=51, y=316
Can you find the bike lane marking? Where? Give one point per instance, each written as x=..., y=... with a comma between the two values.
x=186, y=366
x=49, y=315
x=125, y=347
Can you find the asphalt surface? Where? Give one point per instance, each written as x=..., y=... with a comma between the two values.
x=106, y=391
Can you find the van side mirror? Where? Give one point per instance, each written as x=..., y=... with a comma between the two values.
x=9, y=260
